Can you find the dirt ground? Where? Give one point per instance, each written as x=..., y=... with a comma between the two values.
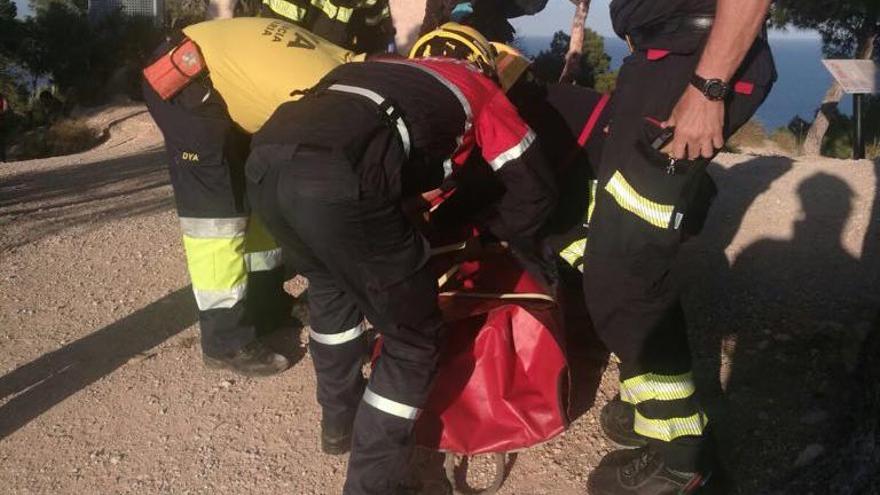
x=102, y=390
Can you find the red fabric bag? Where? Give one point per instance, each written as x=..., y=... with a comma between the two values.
x=502, y=382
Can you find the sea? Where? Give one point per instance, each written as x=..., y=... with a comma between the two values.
x=802, y=83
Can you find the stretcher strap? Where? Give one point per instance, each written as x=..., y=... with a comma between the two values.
x=534, y=296
x=382, y=102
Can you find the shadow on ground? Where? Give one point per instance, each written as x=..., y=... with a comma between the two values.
x=36, y=387
x=101, y=192
x=782, y=328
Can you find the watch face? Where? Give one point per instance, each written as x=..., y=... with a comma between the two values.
x=715, y=89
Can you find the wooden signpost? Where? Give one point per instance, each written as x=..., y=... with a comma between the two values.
x=858, y=78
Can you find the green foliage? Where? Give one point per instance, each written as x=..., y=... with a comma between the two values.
x=78, y=56
x=181, y=13
x=786, y=141
x=61, y=48
x=844, y=25
x=838, y=142
x=39, y=6
x=594, y=70
x=8, y=10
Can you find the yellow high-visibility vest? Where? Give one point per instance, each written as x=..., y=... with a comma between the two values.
x=255, y=64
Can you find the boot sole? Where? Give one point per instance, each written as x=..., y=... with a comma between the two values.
x=219, y=364
x=623, y=443
x=339, y=447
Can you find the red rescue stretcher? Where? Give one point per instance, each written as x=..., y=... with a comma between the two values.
x=502, y=382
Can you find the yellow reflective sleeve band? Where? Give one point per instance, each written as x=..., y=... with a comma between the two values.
x=668, y=430
x=293, y=12
x=651, y=386
x=594, y=184
x=213, y=228
x=389, y=406
x=263, y=261
x=658, y=215
x=215, y=264
x=573, y=254
x=218, y=299
x=341, y=14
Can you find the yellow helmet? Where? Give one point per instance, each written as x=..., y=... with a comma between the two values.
x=457, y=41
x=510, y=64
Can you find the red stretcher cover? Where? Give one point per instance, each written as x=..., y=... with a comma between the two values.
x=502, y=380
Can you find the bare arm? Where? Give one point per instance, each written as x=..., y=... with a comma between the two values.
x=221, y=9
x=698, y=121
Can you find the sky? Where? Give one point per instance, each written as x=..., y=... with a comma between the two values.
x=23, y=9
x=556, y=16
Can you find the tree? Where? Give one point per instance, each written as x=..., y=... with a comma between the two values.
x=593, y=69
x=181, y=13
x=849, y=29
x=576, y=43
x=8, y=11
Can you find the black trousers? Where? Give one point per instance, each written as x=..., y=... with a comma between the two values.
x=363, y=259
x=643, y=213
x=235, y=266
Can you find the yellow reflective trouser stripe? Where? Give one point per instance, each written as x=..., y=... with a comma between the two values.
x=669, y=429
x=293, y=12
x=215, y=250
x=651, y=386
x=658, y=215
x=263, y=261
x=574, y=252
x=262, y=252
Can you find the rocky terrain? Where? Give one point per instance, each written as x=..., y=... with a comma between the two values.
x=102, y=389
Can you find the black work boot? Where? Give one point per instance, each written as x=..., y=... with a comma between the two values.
x=254, y=359
x=616, y=419
x=336, y=436
x=642, y=472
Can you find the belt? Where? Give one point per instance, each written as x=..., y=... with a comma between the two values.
x=691, y=24
x=387, y=109
x=682, y=24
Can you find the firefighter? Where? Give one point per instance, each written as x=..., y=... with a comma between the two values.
x=360, y=25
x=241, y=71
x=699, y=70
x=328, y=174
x=570, y=122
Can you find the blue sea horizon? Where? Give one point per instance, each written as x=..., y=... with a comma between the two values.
x=802, y=83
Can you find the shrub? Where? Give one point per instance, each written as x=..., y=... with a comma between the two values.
x=61, y=138
x=750, y=135
x=786, y=140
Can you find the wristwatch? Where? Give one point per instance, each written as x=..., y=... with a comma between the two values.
x=713, y=89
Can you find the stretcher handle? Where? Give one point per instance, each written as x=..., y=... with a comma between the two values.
x=532, y=296
x=500, y=471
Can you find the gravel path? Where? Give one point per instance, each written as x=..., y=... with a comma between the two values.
x=102, y=389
